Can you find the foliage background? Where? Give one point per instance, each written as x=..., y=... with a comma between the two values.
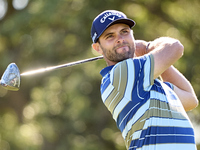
x=62, y=109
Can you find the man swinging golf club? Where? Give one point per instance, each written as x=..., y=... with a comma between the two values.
x=150, y=113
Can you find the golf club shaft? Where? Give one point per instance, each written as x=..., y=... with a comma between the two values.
x=41, y=70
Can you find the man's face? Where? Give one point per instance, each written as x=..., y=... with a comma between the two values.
x=117, y=43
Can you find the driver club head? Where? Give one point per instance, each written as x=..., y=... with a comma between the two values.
x=11, y=78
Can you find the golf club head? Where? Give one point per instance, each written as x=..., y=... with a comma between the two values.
x=11, y=78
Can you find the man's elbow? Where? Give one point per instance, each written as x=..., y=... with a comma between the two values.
x=193, y=104
x=196, y=102
x=179, y=48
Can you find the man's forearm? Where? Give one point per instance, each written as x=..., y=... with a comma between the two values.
x=182, y=87
x=173, y=76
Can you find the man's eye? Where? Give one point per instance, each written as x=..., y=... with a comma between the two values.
x=125, y=31
x=109, y=36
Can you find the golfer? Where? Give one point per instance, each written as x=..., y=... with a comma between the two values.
x=147, y=96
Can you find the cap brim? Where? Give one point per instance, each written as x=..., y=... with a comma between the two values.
x=127, y=21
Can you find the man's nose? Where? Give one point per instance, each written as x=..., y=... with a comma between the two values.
x=120, y=38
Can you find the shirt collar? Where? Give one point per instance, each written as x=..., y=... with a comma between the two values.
x=104, y=71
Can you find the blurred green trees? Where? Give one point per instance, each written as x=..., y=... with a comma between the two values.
x=62, y=109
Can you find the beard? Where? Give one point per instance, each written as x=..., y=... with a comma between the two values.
x=114, y=56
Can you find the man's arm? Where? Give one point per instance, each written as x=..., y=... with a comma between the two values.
x=182, y=88
x=166, y=52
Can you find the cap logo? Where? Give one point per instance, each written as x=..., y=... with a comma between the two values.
x=102, y=20
x=94, y=36
x=113, y=18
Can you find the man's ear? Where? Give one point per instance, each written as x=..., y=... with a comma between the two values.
x=97, y=47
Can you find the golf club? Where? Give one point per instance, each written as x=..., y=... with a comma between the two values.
x=11, y=77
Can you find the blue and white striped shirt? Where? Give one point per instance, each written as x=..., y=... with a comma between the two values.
x=147, y=111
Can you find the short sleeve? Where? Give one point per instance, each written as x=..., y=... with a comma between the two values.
x=169, y=85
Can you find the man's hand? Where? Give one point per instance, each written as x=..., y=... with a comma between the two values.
x=141, y=48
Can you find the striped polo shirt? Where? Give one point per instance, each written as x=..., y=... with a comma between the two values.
x=148, y=112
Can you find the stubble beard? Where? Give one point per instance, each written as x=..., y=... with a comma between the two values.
x=114, y=56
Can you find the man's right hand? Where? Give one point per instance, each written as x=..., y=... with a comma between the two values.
x=141, y=48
